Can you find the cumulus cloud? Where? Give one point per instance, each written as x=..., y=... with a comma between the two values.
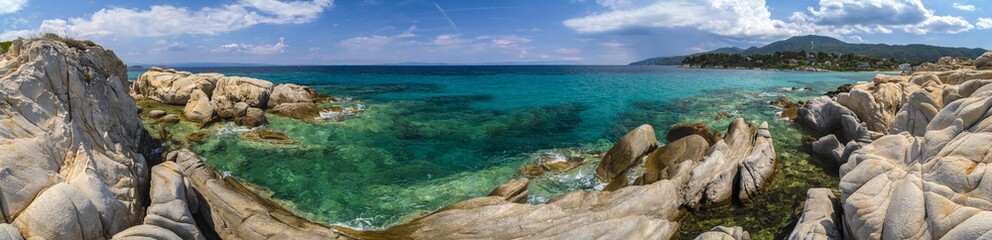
x=751, y=20
x=744, y=18
x=984, y=23
x=261, y=49
x=964, y=7
x=168, y=20
x=12, y=6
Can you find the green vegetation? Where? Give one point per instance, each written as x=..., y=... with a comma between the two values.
x=77, y=44
x=5, y=45
x=793, y=60
x=912, y=52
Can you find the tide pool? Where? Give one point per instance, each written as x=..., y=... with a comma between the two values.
x=432, y=136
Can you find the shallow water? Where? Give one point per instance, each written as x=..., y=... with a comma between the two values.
x=432, y=136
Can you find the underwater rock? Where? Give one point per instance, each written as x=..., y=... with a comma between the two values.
x=169, y=119
x=514, y=191
x=269, y=136
x=682, y=130
x=626, y=152
x=156, y=113
x=198, y=136
x=725, y=233
x=302, y=111
x=841, y=89
x=820, y=218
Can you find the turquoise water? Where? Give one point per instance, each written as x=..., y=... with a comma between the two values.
x=432, y=136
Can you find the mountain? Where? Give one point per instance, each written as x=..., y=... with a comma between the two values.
x=912, y=52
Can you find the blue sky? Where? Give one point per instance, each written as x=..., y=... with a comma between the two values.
x=327, y=32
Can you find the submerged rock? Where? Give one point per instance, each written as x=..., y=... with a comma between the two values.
x=626, y=152
x=156, y=113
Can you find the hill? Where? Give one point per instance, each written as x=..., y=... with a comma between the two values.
x=813, y=43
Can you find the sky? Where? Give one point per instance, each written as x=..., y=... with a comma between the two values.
x=357, y=32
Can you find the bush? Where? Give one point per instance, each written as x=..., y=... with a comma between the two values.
x=78, y=44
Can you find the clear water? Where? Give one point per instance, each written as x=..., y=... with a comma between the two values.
x=432, y=136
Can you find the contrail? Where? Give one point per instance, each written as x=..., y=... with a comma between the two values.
x=446, y=16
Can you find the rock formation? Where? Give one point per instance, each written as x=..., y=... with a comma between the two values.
x=75, y=155
x=820, y=218
x=648, y=211
x=725, y=233
x=625, y=153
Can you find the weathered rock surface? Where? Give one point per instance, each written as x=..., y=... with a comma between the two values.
x=657, y=164
x=627, y=152
x=173, y=87
x=198, y=109
x=74, y=150
x=746, y=151
x=725, y=233
x=156, y=113
x=820, y=218
x=682, y=130
x=169, y=215
x=233, y=90
x=303, y=111
x=514, y=191
x=984, y=62
x=291, y=93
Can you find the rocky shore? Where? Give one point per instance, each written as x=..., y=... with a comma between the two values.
x=80, y=163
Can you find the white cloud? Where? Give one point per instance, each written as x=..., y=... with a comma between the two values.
x=373, y=42
x=168, y=20
x=260, y=49
x=509, y=41
x=751, y=20
x=964, y=7
x=984, y=23
x=12, y=6
x=744, y=18
x=408, y=33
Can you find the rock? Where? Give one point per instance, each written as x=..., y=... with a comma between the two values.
x=721, y=116
x=656, y=165
x=825, y=116
x=272, y=135
x=626, y=152
x=745, y=151
x=197, y=136
x=905, y=186
x=302, y=111
x=829, y=146
x=254, y=92
x=514, y=191
x=633, y=212
x=790, y=113
x=172, y=87
x=75, y=153
x=725, y=233
x=783, y=102
x=291, y=93
x=9, y=232
x=198, y=109
x=682, y=130
x=532, y=170
x=984, y=62
x=820, y=218
x=253, y=117
x=269, y=136
x=841, y=89
x=156, y=113
x=169, y=214
x=237, y=213
x=169, y=119
x=758, y=166
x=915, y=114
x=960, y=77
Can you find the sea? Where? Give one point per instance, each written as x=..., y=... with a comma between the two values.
x=429, y=136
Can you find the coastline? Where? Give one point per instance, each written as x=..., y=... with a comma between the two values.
x=696, y=181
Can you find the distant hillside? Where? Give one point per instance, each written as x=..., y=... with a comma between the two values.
x=912, y=52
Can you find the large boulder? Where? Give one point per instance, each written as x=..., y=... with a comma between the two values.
x=172, y=87
x=74, y=150
x=254, y=92
x=291, y=93
x=169, y=216
x=198, y=109
x=514, y=190
x=912, y=187
x=680, y=131
x=303, y=111
x=746, y=153
x=626, y=152
x=820, y=218
x=660, y=163
x=984, y=62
